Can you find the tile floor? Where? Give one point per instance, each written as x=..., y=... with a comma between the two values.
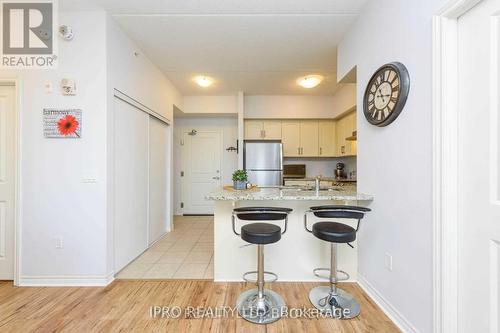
x=185, y=253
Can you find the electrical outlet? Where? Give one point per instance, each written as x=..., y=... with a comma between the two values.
x=388, y=262
x=58, y=242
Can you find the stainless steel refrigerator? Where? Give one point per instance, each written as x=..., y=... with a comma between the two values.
x=263, y=161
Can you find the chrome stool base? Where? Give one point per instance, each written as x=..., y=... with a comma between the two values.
x=340, y=305
x=260, y=311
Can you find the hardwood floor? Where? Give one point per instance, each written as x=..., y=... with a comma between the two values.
x=124, y=306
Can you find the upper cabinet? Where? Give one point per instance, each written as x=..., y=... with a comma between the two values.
x=300, y=138
x=272, y=129
x=262, y=129
x=345, y=127
x=290, y=130
x=307, y=138
x=327, y=138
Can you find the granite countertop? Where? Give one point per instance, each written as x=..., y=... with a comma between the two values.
x=347, y=193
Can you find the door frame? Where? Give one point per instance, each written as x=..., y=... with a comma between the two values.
x=17, y=83
x=446, y=165
x=182, y=131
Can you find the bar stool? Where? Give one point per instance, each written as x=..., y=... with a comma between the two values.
x=259, y=305
x=331, y=300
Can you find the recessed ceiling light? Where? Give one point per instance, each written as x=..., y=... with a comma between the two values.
x=203, y=81
x=310, y=81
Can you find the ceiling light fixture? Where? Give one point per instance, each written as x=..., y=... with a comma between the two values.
x=309, y=81
x=203, y=81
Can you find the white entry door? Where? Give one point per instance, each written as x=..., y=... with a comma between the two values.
x=479, y=183
x=201, y=168
x=7, y=179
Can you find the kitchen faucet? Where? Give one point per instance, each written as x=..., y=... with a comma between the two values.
x=317, y=184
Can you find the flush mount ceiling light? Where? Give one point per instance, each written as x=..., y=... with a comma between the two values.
x=203, y=81
x=309, y=81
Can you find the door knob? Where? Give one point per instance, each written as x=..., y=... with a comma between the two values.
x=217, y=178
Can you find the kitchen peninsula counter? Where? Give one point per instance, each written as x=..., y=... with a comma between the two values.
x=298, y=252
x=345, y=193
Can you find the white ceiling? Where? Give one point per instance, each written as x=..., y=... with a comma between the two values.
x=259, y=47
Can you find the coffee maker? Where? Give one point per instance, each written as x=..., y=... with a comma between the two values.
x=339, y=170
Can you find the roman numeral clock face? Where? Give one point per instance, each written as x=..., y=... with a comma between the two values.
x=386, y=94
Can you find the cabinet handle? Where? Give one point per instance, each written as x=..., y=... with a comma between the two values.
x=301, y=151
x=342, y=149
x=298, y=151
x=264, y=133
x=320, y=151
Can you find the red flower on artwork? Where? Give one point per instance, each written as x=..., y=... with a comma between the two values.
x=67, y=125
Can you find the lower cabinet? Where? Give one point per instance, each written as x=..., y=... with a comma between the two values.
x=309, y=183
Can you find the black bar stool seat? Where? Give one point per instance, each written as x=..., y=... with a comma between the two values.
x=260, y=233
x=334, y=232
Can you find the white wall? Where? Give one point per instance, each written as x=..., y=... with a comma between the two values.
x=294, y=107
x=394, y=163
x=229, y=126
x=288, y=106
x=344, y=99
x=140, y=79
x=210, y=104
x=55, y=202
x=137, y=76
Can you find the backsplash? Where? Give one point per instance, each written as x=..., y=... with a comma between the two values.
x=324, y=166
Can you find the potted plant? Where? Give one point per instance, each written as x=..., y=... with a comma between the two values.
x=240, y=179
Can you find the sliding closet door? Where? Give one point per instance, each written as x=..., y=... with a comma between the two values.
x=159, y=159
x=131, y=182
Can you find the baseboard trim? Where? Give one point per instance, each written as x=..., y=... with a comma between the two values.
x=66, y=281
x=403, y=324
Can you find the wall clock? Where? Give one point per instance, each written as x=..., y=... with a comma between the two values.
x=386, y=94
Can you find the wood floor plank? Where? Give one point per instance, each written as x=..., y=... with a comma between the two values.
x=125, y=306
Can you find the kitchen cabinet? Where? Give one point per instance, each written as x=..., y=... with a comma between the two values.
x=272, y=129
x=300, y=138
x=308, y=183
x=263, y=129
x=290, y=131
x=344, y=128
x=309, y=138
x=327, y=138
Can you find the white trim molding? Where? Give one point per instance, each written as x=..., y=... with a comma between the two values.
x=17, y=83
x=66, y=281
x=446, y=165
x=138, y=105
x=390, y=310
